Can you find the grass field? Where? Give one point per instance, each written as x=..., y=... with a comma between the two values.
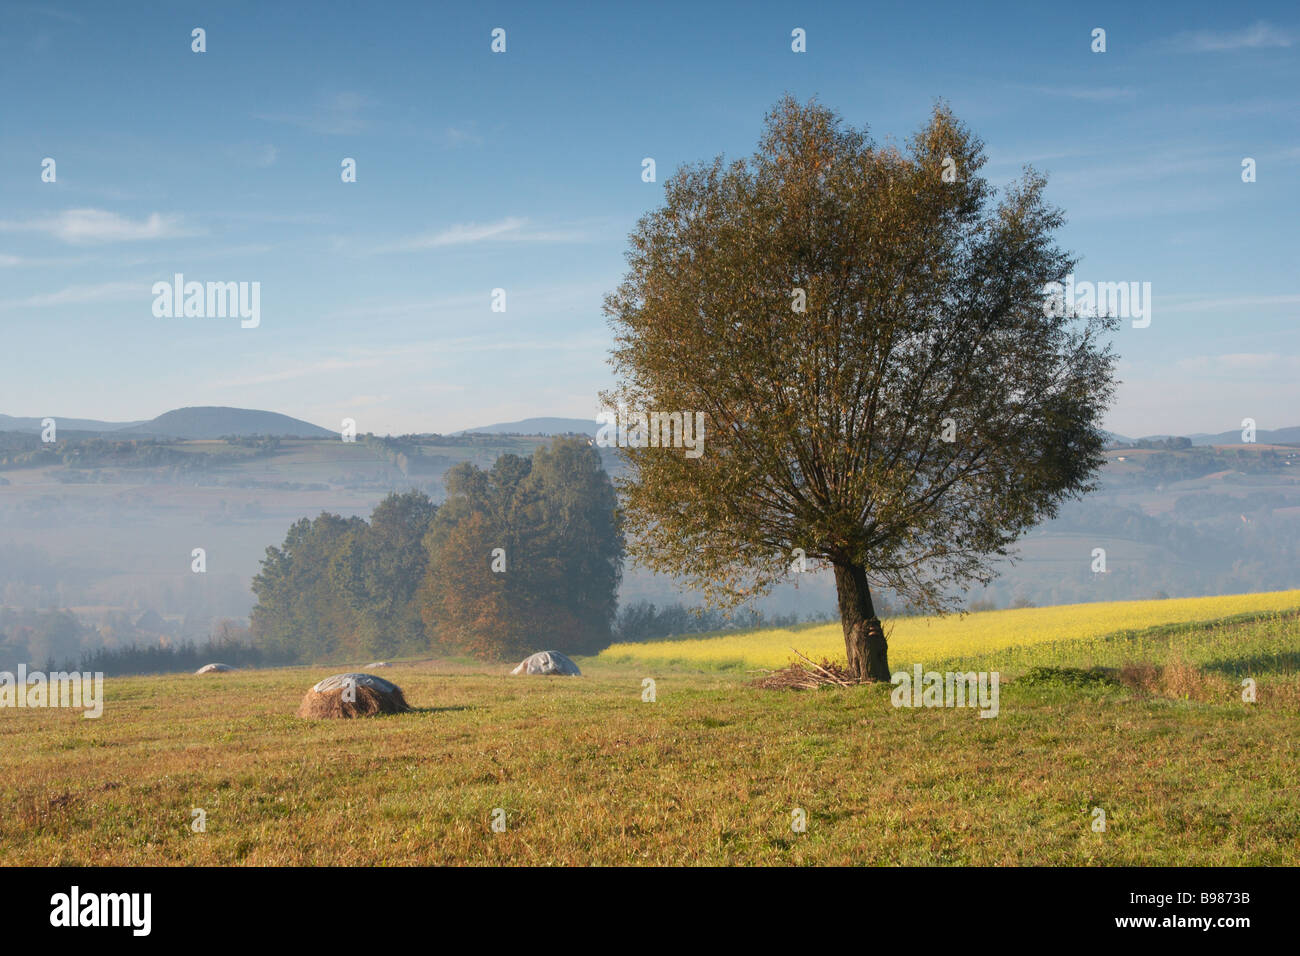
x=934, y=640
x=709, y=773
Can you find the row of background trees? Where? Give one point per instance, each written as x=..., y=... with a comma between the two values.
x=524, y=556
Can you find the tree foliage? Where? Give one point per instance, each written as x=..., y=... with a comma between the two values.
x=300, y=613
x=418, y=577
x=923, y=320
x=554, y=519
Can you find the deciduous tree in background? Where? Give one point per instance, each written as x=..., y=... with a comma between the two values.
x=418, y=575
x=300, y=613
x=555, y=519
x=379, y=568
x=864, y=328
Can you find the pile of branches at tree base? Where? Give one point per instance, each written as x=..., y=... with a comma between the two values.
x=809, y=675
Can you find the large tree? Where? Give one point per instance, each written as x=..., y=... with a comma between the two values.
x=301, y=613
x=345, y=586
x=379, y=567
x=864, y=328
x=554, y=583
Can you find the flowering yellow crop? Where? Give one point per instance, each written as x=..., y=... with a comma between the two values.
x=936, y=638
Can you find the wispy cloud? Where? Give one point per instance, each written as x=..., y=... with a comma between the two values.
x=256, y=155
x=456, y=136
x=83, y=294
x=565, y=299
x=1235, y=364
x=337, y=115
x=510, y=229
x=8, y=261
x=45, y=11
x=273, y=218
x=1098, y=94
x=371, y=311
x=389, y=359
x=1134, y=166
x=80, y=226
x=1248, y=302
x=465, y=234
x=168, y=256
x=325, y=366
x=1258, y=36
x=466, y=345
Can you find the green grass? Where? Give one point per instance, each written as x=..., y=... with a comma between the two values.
x=709, y=773
x=1242, y=645
x=930, y=638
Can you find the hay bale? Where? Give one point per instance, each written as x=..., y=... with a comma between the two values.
x=214, y=669
x=548, y=663
x=353, y=695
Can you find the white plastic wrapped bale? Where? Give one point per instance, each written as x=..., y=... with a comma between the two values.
x=214, y=669
x=548, y=662
x=339, y=681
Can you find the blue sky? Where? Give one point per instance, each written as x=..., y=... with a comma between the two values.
x=522, y=171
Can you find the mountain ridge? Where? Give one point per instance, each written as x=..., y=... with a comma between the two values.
x=218, y=421
x=192, y=422
x=537, y=426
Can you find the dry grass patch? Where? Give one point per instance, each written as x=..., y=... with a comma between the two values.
x=1178, y=679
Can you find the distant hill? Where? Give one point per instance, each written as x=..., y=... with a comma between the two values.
x=538, y=426
x=198, y=422
x=217, y=422
x=561, y=426
x=10, y=424
x=211, y=421
x=1264, y=436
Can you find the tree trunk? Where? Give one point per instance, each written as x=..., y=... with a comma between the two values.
x=864, y=640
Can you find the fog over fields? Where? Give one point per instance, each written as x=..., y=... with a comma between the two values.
x=107, y=529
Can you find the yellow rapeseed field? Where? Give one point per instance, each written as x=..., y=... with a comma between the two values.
x=937, y=638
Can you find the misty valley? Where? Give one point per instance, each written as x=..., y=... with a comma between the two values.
x=98, y=530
